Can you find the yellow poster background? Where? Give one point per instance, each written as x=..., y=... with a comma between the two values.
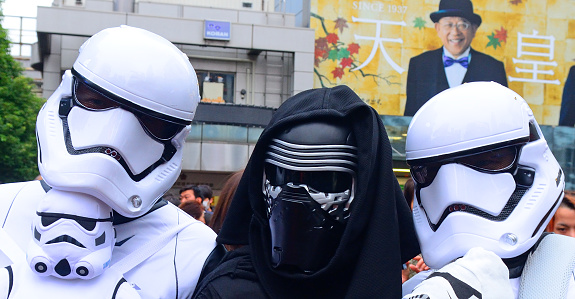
x=346, y=34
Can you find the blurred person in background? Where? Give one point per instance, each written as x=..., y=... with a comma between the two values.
x=563, y=222
x=194, y=209
x=416, y=264
x=226, y=195
x=207, y=201
x=409, y=192
x=191, y=193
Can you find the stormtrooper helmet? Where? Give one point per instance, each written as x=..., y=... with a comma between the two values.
x=73, y=236
x=484, y=174
x=309, y=185
x=116, y=125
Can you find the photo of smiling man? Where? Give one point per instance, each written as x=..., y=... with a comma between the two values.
x=453, y=64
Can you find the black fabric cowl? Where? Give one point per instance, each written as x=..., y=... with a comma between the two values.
x=379, y=236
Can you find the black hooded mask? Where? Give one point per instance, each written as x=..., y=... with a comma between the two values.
x=379, y=235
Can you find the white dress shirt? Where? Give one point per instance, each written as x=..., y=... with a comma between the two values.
x=455, y=73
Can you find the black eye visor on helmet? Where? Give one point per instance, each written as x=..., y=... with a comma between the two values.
x=92, y=97
x=322, y=181
x=498, y=158
x=87, y=223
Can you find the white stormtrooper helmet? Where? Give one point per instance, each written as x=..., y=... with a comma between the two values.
x=116, y=125
x=484, y=174
x=73, y=236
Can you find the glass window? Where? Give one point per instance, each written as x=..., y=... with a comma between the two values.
x=216, y=87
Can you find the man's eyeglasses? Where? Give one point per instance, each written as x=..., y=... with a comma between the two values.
x=462, y=26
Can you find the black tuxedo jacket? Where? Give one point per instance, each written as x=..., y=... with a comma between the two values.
x=567, y=114
x=426, y=76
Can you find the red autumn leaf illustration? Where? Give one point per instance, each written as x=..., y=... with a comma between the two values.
x=337, y=72
x=320, y=52
x=332, y=38
x=321, y=43
x=340, y=23
x=353, y=48
x=501, y=35
x=346, y=62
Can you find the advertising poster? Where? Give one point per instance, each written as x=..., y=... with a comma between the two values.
x=367, y=45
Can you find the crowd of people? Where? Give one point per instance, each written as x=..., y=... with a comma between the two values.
x=316, y=213
x=199, y=201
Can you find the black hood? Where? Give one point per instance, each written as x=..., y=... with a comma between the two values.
x=379, y=235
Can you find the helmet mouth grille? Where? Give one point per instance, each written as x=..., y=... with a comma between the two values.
x=466, y=208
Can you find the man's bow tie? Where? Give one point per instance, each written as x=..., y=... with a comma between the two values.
x=448, y=61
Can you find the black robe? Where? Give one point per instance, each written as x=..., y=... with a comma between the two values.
x=378, y=238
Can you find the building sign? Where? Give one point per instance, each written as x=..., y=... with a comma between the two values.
x=368, y=44
x=217, y=30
